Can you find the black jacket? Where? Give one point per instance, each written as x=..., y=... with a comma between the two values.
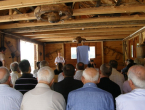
x=67, y=85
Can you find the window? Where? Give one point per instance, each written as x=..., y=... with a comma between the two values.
x=131, y=51
x=92, y=52
x=74, y=52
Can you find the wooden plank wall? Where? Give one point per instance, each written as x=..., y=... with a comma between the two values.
x=98, y=52
x=108, y=55
x=51, y=48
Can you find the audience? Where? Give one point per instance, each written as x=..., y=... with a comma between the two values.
x=15, y=74
x=79, y=70
x=10, y=99
x=69, y=83
x=59, y=69
x=105, y=83
x=44, y=63
x=116, y=76
x=42, y=97
x=2, y=56
x=26, y=82
x=90, y=97
x=60, y=77
x=91, y=64
x=36, y=70
x=135, y=100
x=124, y=71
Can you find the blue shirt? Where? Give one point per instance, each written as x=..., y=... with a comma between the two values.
x=82, y=54
x=10, y=99
x=90, y=97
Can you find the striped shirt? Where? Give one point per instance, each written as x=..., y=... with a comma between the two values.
x=10, y=99
x=25, y=83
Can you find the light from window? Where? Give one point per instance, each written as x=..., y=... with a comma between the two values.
x=132, y=51
x=73, y=53
x=137, y=43
x=92, y=52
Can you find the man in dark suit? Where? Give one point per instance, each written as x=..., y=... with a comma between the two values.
x=69, y=83
x=105, y=83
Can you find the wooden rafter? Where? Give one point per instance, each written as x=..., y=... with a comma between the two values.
x=82, y=31
x=78, y=12
x=77, y=21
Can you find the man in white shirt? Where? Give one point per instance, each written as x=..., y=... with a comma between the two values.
x=80, y=67
x=2, y=56
x=42, y=97
x=15, y=74
x=36, y=70
x=135, y=100
x=59, y=59
x=116, y=76
x=10, y=99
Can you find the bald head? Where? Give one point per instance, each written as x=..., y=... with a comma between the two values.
x=4, y=75
x=91, y=75
x=137, y=75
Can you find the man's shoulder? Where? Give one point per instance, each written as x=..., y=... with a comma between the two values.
x=14, y=92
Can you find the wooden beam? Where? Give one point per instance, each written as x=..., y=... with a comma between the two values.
x=20, y=37
x=81, y=34
x=82, y=31
x=78, y=12
x=77, y=21
x=77, y=26
x=9, y=4
x=109, y=10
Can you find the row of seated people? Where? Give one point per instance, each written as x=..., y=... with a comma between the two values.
x=95, y=91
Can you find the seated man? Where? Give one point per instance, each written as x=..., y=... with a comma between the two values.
x=116, y=76
x=135, y=100
x=36, y=70
x=42, y=97
x=15, y=74
x=43, y=63
x=26, y=82
x=80, y=67
x=10, y=99
x=105, y=83
x=90, y=97
x=68, y=83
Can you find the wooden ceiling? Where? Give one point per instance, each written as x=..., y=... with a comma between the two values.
x=92, y=19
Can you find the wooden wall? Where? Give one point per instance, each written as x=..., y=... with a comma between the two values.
x=51, y=51
x=110, y=55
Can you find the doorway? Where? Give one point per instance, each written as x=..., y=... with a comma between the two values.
x=28, y=52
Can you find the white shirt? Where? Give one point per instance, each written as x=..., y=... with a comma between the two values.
x=35, y=73
x=135, y=100
x=59, y=60
x=78, y=74
x=42, y=98
x=2, y=56
x=118, y=78
x=126, y=87
x=60, y=77
x=10, y=99
x=14, y=76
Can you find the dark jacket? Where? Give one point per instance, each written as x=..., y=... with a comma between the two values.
x=67, y=85
x=25, y=83
x=109, y=86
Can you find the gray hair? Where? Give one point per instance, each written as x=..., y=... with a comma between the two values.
x=43, y=63
x=106, y=69
x=14, y=66
x=45, y=74
x=90, y=78
x=6, y=76
x=138, y=81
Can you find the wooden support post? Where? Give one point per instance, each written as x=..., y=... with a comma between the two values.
x=18, y=48
x=44, y=51
x=102, y=52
